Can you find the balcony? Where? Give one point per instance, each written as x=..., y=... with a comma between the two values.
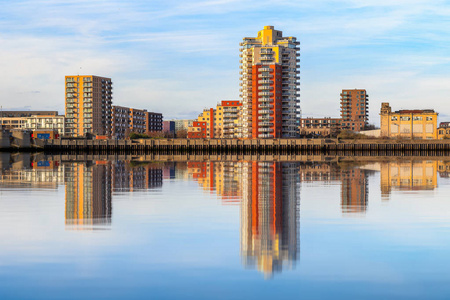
x=265, y=111
x=265, y=81
x=265, y=76
x=270, y=70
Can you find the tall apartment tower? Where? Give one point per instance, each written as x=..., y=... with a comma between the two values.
x=269, y=85
x=88, y=105
x=354, y=109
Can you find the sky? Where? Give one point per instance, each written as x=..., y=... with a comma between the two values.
x=179, y=57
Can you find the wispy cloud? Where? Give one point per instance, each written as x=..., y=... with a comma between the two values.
x=175, y=56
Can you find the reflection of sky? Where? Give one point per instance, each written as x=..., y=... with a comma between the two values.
x=180, y=242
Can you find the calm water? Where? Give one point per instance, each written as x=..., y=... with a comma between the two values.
x=320, y=229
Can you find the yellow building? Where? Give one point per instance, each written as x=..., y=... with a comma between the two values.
x=411, y=124
x=88, y=105
x=444, y=130
x=218, y=122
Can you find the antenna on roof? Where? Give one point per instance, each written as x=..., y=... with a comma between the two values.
x=79, y=72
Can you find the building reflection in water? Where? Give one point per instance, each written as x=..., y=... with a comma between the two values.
x=270, y=216
x=408, y=175
x=89, y=187
x=23, y=171
x=269, y=199
x=353, y=181
x=219, y=177
x=135, y=176
x=88, y=195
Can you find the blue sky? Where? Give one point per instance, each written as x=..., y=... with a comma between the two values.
x=178, y=57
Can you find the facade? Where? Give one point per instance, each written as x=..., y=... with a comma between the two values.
x=204, y=126
x=154, y=122
x=182, y=124
x=88, y=105
x=13, y=122
x=27, y=121
x=319, y=126
x=444, y=130
x=269, y=85
x=120, y=121
x=43, y=122
x=411, y=124
x=218, y=122
x=168, y=127
x=230, y=110
x=197, y=130
x=26, y=113
x=354, y=109
x=138, y=120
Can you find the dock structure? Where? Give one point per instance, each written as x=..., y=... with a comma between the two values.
x=240, y=146
x=22, y=141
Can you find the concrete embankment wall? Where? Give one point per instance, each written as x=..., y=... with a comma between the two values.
x=239, y=146
x=250, y=145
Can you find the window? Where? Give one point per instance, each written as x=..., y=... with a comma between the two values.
x=429, y=118
x=405, y=118
x=417, y=118
x=394, y=118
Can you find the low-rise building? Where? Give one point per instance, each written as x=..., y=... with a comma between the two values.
x=319, y=126
x=182, y=124
x=33, y=120
x=12, y=122
x=154, y=122
x=197, y=130
x=219, y=121
x=43, y=122
x=204, y=125
x=169, y=127
x=126, y=120
x=411, y=124
x=444, y=130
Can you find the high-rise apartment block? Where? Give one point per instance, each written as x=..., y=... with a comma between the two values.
x=354, y=109
x=269, y=85
x=88, y=105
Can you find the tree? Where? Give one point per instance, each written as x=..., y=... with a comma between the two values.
x=182, y=133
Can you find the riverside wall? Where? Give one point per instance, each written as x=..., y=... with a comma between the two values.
x=233, y=146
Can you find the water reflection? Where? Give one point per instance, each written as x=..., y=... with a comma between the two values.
x=19, y=171
x=88, y=195
x=352, y=178
x=269, y=216
x=269, y=202
x=267, y=193
x=407, y=176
